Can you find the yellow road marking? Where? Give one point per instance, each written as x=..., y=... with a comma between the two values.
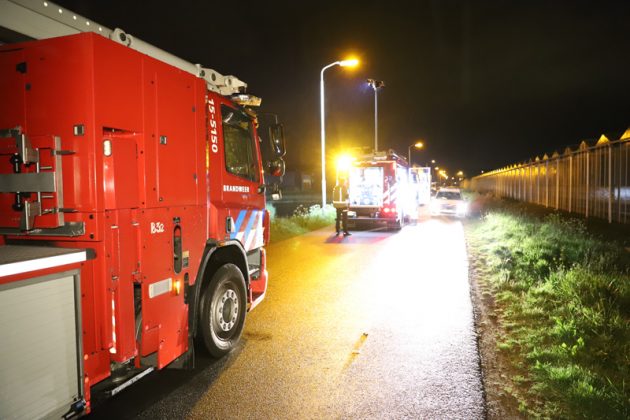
x=356, y=349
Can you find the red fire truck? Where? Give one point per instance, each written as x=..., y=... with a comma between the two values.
x=378, y=190
x=132, y=210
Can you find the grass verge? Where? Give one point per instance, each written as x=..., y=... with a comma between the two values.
x=559, y=299
x=303, y=220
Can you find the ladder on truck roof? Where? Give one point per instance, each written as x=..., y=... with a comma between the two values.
x=41, y=19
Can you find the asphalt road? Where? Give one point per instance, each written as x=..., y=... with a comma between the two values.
x=376, y=325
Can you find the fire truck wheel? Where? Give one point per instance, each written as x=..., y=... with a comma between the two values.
x=397, y=225
x=223, y=310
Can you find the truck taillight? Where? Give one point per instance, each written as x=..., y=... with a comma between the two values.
x=266, y=226
x=390, y=211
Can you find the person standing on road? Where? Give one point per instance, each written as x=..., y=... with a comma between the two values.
x=340, y=202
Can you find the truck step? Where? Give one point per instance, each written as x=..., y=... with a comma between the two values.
x=121, y=380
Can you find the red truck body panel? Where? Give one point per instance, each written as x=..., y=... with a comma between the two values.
x=165, y=177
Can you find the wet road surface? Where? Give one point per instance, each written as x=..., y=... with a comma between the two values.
x=376, y=325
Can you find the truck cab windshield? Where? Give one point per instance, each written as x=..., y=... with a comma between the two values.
x=240, y=149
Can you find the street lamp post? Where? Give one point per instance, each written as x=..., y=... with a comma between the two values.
x=444, y=175
x=417, y=145
x=342, y=63
x=376, y=85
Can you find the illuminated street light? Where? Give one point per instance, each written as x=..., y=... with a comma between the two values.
x=418, y=145
x=343, y=63
x=443, y=174
x=376, y=85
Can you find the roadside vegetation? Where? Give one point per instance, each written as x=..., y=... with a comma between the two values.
x=303, y=220
x=559, y=300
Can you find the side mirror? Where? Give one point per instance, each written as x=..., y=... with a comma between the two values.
x=276, y=138
x=276, y=167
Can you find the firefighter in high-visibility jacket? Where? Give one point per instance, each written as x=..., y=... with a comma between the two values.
x=341, y=203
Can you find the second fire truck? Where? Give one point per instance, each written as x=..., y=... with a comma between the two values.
x=378, y=186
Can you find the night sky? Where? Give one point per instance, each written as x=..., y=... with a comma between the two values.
x=483, y=83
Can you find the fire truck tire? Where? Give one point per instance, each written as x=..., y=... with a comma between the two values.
x=223, y=309
x=397, y=225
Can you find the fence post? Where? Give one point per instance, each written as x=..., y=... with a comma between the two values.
x=547, y=183
x=557, y=183
x=538, y=183
x=531, y=184
x=610, y=189
x=588, y=180
x=521, y=183
x=570, y=182
x=622, y=168
x=525, y=184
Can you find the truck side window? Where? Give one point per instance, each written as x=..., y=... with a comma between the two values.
x=240, y=150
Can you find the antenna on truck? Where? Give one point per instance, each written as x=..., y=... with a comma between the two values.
x=41, y=19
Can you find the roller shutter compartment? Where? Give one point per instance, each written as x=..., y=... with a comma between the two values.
x=40, y=370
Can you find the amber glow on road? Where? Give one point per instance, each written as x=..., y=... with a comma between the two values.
x=378, y=324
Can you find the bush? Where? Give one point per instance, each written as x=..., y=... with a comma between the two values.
x=563, y=306
x=303, y=220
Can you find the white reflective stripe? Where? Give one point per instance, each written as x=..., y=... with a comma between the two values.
x=41, y=263
x=255, y=233
x=160, y=287
x=252, y=233
x=260, y=241
x=259, y=233
x=248, y=243
x=392, y=193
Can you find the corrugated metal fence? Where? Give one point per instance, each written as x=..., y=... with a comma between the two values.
x=593, y=181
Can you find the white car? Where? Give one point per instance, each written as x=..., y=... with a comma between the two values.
x=449, y=201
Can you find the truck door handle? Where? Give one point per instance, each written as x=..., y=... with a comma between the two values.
x=261, y=189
